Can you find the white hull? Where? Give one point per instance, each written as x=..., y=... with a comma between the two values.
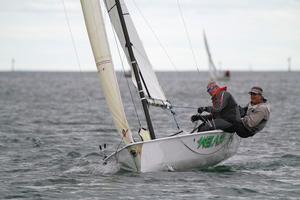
x=181, y=152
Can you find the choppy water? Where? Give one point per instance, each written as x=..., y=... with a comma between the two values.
x=52, y=123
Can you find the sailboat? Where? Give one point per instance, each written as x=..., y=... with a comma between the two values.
x=180, y=151
x=215, y=74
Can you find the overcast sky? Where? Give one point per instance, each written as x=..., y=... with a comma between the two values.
x=242, y=34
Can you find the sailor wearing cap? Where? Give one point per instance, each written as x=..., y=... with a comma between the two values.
x=255, y=115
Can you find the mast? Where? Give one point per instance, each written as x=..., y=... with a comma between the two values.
x=135, y=70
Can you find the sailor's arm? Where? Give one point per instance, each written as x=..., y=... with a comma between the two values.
x=254, y=118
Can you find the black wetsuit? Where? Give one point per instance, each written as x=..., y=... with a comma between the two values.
x=224, y=111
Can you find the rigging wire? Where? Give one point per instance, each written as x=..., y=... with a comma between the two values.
x=155, y=35
x=188, y=36
x=185, y=107
x=74, y=48
x=71, y=35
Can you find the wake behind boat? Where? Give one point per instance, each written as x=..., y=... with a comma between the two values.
x=179, y=152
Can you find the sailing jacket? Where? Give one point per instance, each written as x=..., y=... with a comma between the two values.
x=224, y=106
x=256, y=117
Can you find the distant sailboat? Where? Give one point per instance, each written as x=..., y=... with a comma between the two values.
x=181, y=151
x=127, y=74
x=213, y=72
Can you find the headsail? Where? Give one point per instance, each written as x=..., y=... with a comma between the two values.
x=211, y=64
x=151, y=85
x=98, y=39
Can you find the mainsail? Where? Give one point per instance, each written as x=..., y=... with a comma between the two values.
x=151, y=85
x=211, y=64
x=98, y=39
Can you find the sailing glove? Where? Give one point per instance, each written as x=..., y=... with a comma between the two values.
x=195, y=118
x=202, y=109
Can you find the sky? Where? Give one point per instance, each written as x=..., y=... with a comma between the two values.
x=242, y=34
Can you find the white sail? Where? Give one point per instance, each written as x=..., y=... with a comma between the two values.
x=145, y=67
x=211, y=64
x=98, y=39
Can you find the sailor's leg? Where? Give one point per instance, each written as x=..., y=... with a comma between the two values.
x=217, y=124
x=206, y=117
x=223, y=125
x=205, y=127
x=241, y=130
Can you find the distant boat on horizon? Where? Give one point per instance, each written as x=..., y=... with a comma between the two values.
x=214, y=73
x=127, y=73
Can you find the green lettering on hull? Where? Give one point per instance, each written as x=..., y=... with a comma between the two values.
x=210, y=141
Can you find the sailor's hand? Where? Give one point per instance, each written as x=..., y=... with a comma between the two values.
x=195, y=118
x=202, y=109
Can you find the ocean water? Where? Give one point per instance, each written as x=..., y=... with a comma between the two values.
x=51, y=125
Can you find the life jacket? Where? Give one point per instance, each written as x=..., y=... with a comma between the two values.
x=230, y=113
x=215, y=94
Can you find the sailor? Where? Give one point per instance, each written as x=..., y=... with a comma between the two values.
x=254, y=116
x=223, y=113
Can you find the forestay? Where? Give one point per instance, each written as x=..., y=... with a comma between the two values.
x=98, y=39
x=153, y=90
